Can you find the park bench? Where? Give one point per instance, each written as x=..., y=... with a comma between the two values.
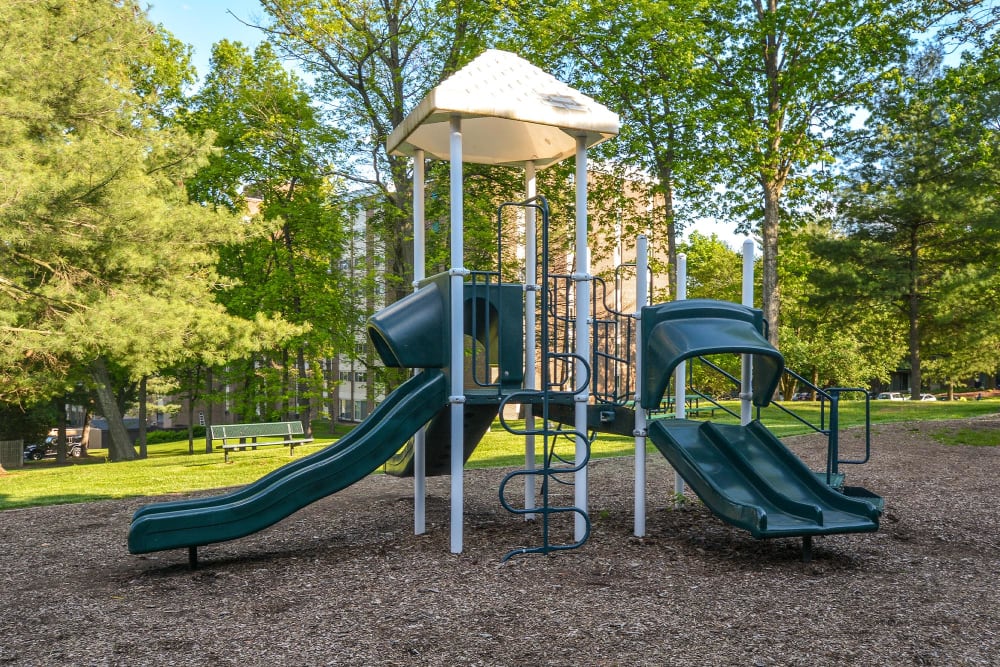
x=693, y=406
x=235, y=436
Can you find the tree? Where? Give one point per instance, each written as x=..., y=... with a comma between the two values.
x=639, y=58
x=276, y=151
x=920, y=218
x=371, y=61
x=788, y=76
x=827, y=338
x=104, y=260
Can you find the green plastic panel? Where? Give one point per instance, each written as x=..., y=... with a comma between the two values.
x=476, y=421
x=494, y=315
x=413, y=332
x=679, y=330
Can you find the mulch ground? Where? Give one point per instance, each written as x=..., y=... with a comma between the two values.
x=345, y=582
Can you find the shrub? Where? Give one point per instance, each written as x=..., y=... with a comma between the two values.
x=170, y=435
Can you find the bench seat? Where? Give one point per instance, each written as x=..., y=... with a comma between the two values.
x=235, y=436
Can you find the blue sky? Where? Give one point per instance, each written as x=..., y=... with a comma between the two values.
x=202, y=23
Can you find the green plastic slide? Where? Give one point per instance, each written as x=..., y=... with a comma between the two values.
x=192, y=523
x=749, y=479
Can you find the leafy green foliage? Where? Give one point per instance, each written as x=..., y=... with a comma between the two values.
x=920, y=221
x=104, y=258
x=274, y=167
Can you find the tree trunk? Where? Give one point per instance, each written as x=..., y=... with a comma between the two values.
x=61, y=446
x=119, y=448
x=190, y=415
x=913, y=313
x=142, y=418
x=332, y=377
x=302, y=382
x=285, y=407
x=665, y=174
x=771, y=295
x=209, y=400
x=914, y=343
x=85, y=437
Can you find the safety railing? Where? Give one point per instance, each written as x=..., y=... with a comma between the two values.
x=829, y=417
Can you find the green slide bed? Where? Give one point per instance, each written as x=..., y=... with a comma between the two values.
x=195, y=522
x=748, y=478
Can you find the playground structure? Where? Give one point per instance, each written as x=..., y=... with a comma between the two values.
x=540, y=342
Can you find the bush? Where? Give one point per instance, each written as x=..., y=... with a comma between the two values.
x=30, y=425
x=171, y=435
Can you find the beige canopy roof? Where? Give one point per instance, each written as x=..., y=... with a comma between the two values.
x=512, y=112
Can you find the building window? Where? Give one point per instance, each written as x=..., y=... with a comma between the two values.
x=345, y=376
x=361, y=377
x=201, y=419
x=360, y=408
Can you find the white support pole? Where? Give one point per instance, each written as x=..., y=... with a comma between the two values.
x=641, y=299
x=746, y=363
x=680, y=384
x=582, y=278
x=530, y=295
x=457, y=397
x=419, y=439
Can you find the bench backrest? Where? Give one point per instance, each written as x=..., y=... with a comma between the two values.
x=262, y=430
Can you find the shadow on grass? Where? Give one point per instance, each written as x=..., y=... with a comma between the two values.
x=8, y=503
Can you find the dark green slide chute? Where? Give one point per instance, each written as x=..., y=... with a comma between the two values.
x=748, y=478
x=196, y=522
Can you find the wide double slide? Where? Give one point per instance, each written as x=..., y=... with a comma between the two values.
x=200, y=521
x=748, y=478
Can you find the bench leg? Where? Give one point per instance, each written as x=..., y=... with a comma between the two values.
x=193, y=557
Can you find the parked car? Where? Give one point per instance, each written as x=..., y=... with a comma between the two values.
x=36, y=452
x=890, y=396
x=801, y=396
x=928, y=397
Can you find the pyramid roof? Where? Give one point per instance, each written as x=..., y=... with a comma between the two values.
x=512, y=112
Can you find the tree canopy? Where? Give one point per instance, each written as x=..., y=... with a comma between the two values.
x=105, y=261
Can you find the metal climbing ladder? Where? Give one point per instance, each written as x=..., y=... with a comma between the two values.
x=556, y=362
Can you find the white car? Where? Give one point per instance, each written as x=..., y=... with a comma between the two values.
x=890, y=396
x=928, y=397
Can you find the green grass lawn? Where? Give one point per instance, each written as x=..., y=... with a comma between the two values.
x=170, y=469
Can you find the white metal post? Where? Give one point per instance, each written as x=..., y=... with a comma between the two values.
x=530, y=287
x=457, y=397
x=680, y=385
x=419, y=251
x=641, y=299
x=746, y=363
x=582, y=279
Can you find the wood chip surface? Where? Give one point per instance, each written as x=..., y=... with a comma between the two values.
x=345, y=581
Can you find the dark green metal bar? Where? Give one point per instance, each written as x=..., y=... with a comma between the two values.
x=549, y=471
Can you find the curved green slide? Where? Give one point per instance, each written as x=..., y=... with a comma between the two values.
x=199, y=521
x=748, y=478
